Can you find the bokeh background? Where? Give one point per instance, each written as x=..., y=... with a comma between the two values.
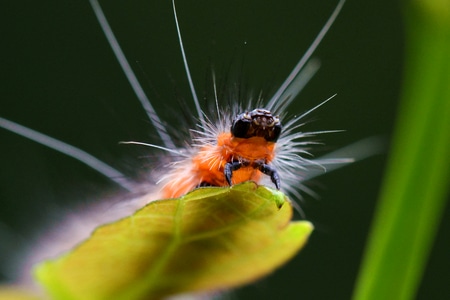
x=59, y=76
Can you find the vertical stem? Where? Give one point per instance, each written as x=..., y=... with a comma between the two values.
x=416, y=184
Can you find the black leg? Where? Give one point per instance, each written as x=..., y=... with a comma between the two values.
x=261, y=166
x=270, y=171
x=229, y=168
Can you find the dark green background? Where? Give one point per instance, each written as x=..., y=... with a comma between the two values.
x=59, y=76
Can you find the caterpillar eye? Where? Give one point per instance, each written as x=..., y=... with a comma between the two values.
x=258, y=122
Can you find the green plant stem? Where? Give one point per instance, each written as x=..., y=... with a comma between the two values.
x=416, y=184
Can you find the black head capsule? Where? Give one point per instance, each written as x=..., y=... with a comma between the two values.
x=258, y=122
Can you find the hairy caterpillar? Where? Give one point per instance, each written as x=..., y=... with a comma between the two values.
x=304, y=107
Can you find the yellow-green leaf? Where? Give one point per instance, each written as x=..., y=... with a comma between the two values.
x=14, y=292
x=211, y=239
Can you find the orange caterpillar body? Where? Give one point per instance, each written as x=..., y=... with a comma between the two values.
x=243, y=154
x=208, y=165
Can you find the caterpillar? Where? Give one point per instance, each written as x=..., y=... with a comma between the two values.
x=286, y=182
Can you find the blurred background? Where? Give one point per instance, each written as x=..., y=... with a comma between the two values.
x=59, y=76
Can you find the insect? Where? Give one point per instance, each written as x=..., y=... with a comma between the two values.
x=268, y=145
x=227, y=153
x=220, y=156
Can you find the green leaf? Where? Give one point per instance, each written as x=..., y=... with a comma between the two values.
x=211, y=239
x=14, y=292
x=416, y=187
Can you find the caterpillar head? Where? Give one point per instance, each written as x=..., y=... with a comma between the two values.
x=258, y=122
